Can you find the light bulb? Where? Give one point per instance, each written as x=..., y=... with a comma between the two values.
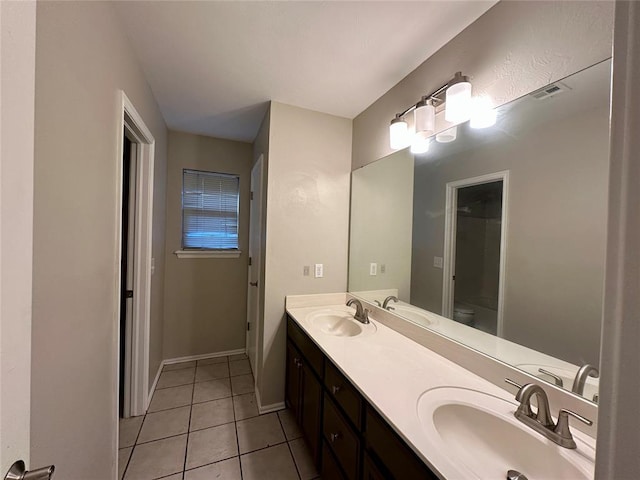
x=425, y=117
x=458, y=98
x=447, y=136
x=483, y=115
x=398, y=134
x=420, y=144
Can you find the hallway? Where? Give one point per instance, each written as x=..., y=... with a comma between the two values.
x=203, y=423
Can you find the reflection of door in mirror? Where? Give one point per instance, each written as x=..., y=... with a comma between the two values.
x=475, y=256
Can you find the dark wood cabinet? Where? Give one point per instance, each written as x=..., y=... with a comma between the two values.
x=347, y=438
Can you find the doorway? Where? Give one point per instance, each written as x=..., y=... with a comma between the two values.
x=134, y=263
x=255, y=266
x=475, y=246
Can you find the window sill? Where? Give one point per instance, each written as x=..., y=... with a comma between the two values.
x=207, y=253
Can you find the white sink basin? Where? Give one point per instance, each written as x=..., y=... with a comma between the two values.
x=338, y=323
x=477, y=437
x=414, y=314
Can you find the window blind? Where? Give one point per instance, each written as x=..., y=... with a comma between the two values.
x=209, y=210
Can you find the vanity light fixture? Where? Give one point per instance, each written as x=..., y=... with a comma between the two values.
x=420, y=145
x=455, y=95
x=449, y=135
x=483, y=115
x=398, y=133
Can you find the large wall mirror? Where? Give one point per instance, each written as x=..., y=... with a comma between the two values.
x=496, y=237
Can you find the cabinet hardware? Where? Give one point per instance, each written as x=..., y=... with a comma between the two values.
x=335, y=389
x=334, y=436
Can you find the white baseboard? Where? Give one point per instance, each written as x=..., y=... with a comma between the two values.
x=262, y=409
x=190, y=358
x=152, y=390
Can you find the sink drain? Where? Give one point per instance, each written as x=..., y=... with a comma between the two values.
x=515, y=475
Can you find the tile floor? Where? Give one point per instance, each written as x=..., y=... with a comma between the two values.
x=203, y=424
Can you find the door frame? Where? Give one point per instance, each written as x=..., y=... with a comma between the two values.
x=451, y=210
x=139, y=397
x=256, y=263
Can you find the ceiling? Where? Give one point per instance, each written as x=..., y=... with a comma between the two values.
x=213, y=66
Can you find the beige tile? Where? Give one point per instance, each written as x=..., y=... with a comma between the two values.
x=211, y=445
x=225, y=470
x=129, y=429
x=166, y=423
x=273, y=463
x=259, y=432
x=238, y=356
x=211, y=414
x=171, y=398
x=204, y=373
x=245, y=406
x=123, y=459
x=303, y=459
x=157, y=459
x=242, y=384
x=239, y=367
x=213, y=390
x=175, y=378
x=209, y=361
x=178, y=366
x=176, y=476
x=291, y=429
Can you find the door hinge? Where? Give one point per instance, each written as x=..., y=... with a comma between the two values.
x=251, y=195
x=248, y=326
x=128, y=294
x=250, y=261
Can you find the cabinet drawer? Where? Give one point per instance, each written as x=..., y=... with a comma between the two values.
x=344, y=394
x=330, y=469
x=311, y=352
x=394, y=454
x=342, y=441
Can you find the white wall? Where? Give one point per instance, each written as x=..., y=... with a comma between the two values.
x=83, y=58
x=17, y=77
x=307, y=222
x=381, y=219
x=513, y=49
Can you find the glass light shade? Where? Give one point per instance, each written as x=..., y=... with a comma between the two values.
x=483, y=115
x=458, y=106
x=398, y=134
x=447, y=136
x=420, y=143
x=425, y=119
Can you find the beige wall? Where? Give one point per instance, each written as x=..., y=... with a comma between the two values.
x=205, y=298
x=82, y=59
x=381, y=219
x=307, y=222
x=556, y=228
x=513, y=49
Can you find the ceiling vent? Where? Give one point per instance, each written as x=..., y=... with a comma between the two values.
x=550, y=91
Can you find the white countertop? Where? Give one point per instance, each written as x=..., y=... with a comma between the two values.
x=392, y=372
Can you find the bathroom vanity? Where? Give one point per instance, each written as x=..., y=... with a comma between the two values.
x=374, y=404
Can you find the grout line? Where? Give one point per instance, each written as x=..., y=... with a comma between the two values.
x=186, y=447
x=235, y=424
x=295, y=464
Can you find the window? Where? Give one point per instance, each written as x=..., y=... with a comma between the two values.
x=209, y=210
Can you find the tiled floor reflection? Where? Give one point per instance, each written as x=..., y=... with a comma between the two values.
x=203, y=424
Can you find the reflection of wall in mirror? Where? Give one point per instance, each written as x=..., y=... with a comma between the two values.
x=381, y=206
x=555, y=231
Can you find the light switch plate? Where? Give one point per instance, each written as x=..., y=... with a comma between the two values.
x=383, y=268
x=305, y=270
x=373, y=269
x=319, y=270
x=437, y=262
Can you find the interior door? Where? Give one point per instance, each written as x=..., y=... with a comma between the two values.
x=255, y=241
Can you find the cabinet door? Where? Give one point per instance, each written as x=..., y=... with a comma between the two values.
x=311, y=408
x=370, y=471
x=294, y=365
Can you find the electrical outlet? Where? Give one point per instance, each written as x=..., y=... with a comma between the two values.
x=437, y=262
x=305, y=270
x=319, y=271
x=373, y=269
x=383, y=268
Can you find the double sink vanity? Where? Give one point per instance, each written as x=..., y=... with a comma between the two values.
x=374, y=404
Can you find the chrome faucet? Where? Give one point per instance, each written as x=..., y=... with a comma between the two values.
x=362, y=314
x=390, y=298
x=585, y=371
x=542, y=422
